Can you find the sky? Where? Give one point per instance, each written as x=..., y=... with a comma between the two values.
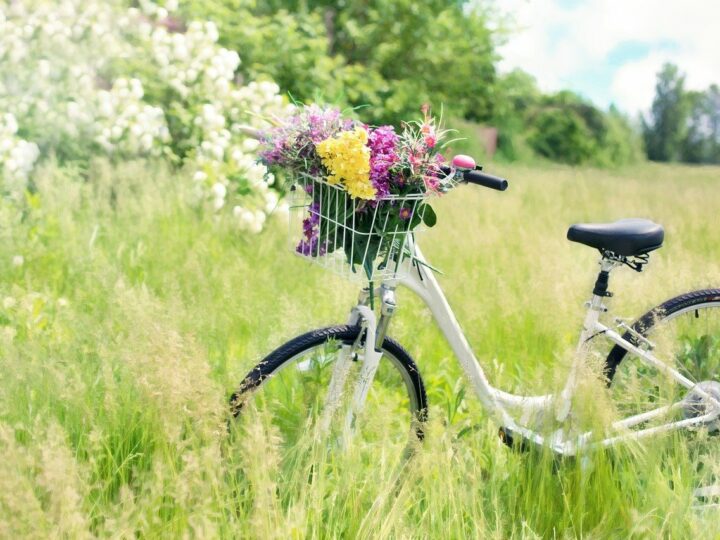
x=611, y=50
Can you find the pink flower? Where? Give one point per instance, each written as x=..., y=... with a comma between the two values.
x=430, y=140
x=414, y=160
x=431, y=183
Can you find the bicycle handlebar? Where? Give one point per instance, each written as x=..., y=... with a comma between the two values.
x=480, y=178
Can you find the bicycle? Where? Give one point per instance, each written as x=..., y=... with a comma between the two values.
x=662, y=371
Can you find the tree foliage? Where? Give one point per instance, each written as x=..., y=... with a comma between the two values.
x=387, y=57
x=701, y=143
x=682, y=125
x=665, y=127
x=562, y=127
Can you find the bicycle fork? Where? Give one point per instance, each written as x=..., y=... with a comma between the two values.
x=374, y=332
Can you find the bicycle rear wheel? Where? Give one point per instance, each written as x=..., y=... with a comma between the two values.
x=289, y=388
x=685, y=333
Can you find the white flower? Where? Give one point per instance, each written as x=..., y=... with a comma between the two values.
x=246, y=219
x=218, y=151
x=212, y=31
x=9, y=124
x=11, y=165
x=146, y=142
x=250, y=145
x=18, y=261
x=44, y=68
x=136, y=89
x=219, y=190
x=271, y=201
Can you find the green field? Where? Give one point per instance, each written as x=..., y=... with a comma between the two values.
x=132, y=316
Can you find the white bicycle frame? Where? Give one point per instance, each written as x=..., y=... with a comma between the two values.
x=512, y=412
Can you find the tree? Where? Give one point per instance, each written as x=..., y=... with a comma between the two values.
x=515, y=95
x=702, y=140
x=713, y=99
x=386, y=56
x=622, y=143
x=697, y=144
x=666, y=126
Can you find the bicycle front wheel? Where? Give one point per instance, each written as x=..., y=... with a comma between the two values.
x=290, y=389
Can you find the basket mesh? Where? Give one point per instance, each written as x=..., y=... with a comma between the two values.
x=351, y=237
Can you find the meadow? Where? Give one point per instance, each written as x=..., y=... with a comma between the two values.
x=127, y=317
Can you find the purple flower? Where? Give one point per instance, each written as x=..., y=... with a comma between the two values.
x=382, y=142
x=405, y=213
x=291, y=145
x=310, y=245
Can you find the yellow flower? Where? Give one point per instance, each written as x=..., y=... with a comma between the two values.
x=347, y=157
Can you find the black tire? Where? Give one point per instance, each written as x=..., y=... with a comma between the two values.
x=701, y=299
x=345, y=334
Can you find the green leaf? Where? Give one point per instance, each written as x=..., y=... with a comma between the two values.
x=429, y=217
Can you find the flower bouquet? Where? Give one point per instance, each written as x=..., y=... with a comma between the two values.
x=364, y=189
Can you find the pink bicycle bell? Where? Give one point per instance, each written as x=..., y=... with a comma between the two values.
x=463, y=162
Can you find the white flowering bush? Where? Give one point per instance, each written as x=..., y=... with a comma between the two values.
x=79, y=78
x=17, y=157
x=201, y=76
x=127, y=125
x=53, y=57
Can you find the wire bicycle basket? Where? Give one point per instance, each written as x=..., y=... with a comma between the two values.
x=354, y=238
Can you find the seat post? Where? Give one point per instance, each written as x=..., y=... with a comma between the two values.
x=601, y=284
x=600, y=290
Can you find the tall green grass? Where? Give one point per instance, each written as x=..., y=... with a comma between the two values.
x=133, y=316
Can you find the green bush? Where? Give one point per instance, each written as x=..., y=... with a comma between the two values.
x=562, y=135
x=568, y=129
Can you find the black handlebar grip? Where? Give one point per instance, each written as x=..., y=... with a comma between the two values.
x=487, y=180
x=480, y=178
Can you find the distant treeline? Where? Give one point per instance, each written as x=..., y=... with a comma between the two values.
x=682, y=125
x=388, y=57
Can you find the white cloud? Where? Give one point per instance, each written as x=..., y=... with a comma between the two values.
x=633, y=86
x=555, y=43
